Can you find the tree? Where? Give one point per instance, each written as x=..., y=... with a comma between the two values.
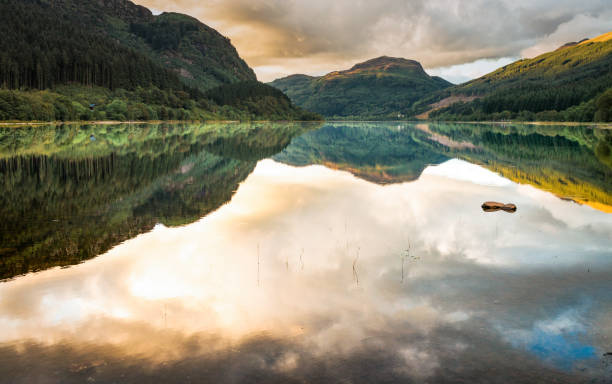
x=604, y=106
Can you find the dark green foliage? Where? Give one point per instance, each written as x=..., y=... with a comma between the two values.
x=200, y=55
x=563, y=85
x=604, y=106
x=382, y=88
x=232, y=94
x=71, y=103
x=259, y=99
x=163, y=35
x=59, y=57
x=41, y=49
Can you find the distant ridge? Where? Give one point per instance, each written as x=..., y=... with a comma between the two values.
x=380, y=88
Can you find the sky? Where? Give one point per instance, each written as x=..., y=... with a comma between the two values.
x=456, y=39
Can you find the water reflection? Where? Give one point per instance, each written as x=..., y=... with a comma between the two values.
x=309, y=274
x=573, y=162
x=66, y=198
x=377, y=152
x=290, y=282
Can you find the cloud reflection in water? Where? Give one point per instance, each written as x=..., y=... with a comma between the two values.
x=300, y=278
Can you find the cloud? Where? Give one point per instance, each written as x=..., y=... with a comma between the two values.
x=281, y=37
x=580, y=27
x=461, y=73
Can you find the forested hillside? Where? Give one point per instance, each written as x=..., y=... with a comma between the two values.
x=381, y=88
x=83, y=60
x=70, y=103
x=198, y=54
x=573, y=83
x=40, y=50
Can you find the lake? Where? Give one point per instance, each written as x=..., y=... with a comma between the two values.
x=335, y=252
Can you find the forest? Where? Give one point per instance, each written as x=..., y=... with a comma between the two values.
x=242, y=101
x=568, y=84
x=55, y=67
x=47, y=52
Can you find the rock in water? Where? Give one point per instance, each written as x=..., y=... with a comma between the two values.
x=492, y=206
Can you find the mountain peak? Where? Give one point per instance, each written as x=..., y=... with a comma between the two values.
x=571, y=44
x=384, y=63
x=124, y=9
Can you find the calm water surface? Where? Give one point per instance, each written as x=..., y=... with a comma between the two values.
x=345, y=252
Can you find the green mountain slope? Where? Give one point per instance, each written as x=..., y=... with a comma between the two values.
x=42, y=47
x=569, y=84
x=59, y=57
x=197, y=53
x=201, y=56
x=380, y=88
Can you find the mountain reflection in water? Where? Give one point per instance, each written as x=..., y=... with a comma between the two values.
x=311, y=274
x=573, y=162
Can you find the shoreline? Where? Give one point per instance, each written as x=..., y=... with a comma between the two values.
x=113, y=122
x=136, y=122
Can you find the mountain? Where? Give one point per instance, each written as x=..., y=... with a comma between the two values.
x=379, y=88
x=57, y=57
x=199, y=55
x=572, y=83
